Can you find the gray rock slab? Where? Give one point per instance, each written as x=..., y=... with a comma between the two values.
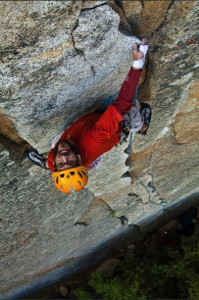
x=40, y=227
x=184, y=168
x=109, y=176
x=53, y=81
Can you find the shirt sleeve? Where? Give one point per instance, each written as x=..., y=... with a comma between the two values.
x=56, y=139
x=51, y=159
x=107, y=125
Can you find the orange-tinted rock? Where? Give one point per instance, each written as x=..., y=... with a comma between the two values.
x=145, y=16
x=186, y=123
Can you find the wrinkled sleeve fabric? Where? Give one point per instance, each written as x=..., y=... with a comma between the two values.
x=107, y=125
x=124, y=100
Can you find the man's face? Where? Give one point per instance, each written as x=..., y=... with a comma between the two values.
x=65, y=158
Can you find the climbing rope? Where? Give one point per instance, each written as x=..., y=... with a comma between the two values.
x=129, y=148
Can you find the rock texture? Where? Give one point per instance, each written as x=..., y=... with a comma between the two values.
x=172, y=143
x=145, y=17
x=58, y=60
x=54, y=64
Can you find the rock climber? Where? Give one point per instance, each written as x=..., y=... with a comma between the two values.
x=78, y=149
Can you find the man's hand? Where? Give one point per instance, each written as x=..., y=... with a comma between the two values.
x=139, y=53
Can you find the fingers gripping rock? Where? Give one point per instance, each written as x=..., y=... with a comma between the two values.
x=138, y=64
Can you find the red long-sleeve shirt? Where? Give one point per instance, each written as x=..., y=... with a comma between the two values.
x=93, y=134
x=96, y=133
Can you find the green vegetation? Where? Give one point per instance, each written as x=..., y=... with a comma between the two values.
x=113, y=213
x=170, y=274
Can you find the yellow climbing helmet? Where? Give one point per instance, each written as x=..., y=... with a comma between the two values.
x=71, y=180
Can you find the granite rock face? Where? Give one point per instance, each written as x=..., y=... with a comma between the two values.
x=145, y=17
x=54, y=64
x=172, y=87
x=58, y=60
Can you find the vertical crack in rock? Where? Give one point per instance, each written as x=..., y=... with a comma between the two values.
x=93, y=70
x=145, y=179
x=165, y=18
x=80, y=51
x=153, y=195
x=124, y=26
x=132, y=173
x=152, y=189
x=11, y=140
x=139, y=181
x=142, y=2
x=104, y=202
x=119, y=3
x=73, y=41
x=84, y=219
x=92, y=67
x=122, y=219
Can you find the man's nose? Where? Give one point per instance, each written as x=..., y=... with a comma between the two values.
x=63, y=157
